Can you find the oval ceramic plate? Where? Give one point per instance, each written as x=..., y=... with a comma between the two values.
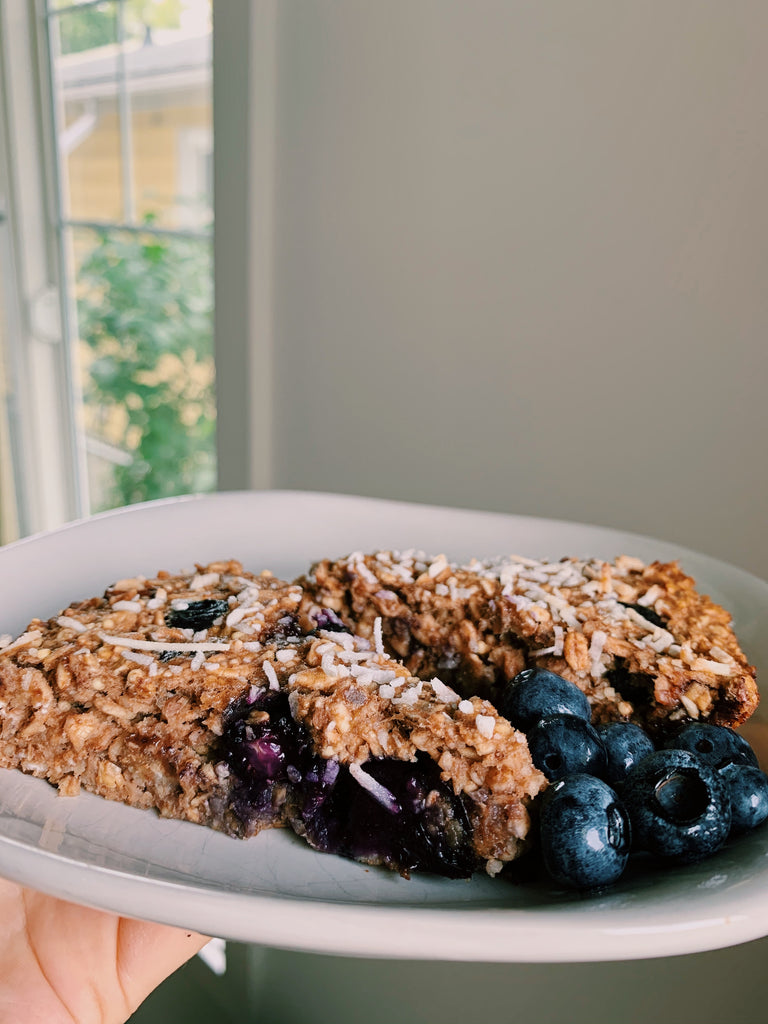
x=273, y=889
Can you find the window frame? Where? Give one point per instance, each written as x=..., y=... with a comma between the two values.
x=47, y=446
x=49, y=460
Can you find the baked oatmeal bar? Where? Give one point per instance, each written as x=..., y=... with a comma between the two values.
x=198, y=694
x=381, y=766
x=127, y=694
x=638, y=639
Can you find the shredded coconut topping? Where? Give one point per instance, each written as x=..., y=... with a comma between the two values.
x=204, y=580
x=377, y=638
x=444, y=692
x=139, y=658
x=485, y=725
x=162, y=645
x=379, y=793
x=269, y=672
x=70, y=623
x=26, y=639
x=582, y=617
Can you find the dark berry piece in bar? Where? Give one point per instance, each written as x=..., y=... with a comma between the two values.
x=647, y=613
x=196, y=615
x=327, y=619
x=393, y=813
x=399, y=814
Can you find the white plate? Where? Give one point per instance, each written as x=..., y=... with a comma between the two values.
x=275, y=890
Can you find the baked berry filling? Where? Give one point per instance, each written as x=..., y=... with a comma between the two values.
x=195, y=615
x=636, y=687
x=328, y=620
x=649, y=614
x=398, y=814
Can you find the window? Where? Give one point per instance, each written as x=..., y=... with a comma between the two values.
x=122, y=119
x=9, y=527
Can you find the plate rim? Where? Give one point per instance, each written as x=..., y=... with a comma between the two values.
x=469, y=928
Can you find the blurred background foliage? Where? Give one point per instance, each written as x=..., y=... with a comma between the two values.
x=144, y=307
x=97, y=26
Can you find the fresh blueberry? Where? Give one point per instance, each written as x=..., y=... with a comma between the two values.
x=743, y=747
x=535, y=693
x=625, y=745
x=678, y=805
x=714, y=744
x=563, y=744
x=584, y=832
x=748, y=791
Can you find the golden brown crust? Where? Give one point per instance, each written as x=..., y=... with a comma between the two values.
x=116, y=695
x=128, y=695
x=86, y=698
x=383, y=711
x=480, y=624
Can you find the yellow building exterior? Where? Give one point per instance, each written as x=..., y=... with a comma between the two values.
x=169, y=162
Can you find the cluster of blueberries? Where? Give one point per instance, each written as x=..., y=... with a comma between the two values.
x=612, y=792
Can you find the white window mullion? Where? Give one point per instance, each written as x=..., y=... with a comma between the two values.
x=62, y=263
x=124, y=107
x=14, y=499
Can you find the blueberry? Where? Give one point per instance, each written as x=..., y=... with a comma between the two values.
x=536, y=692
x=647, y=613
x=743, y=747
x=625, y=745
x=563, y=744
x=714, y=744
x=197, y=615
x=678, y=805
x=430, y=831
x=748, y=792
x=328, y=620
x=400, y=814
x=584, y=832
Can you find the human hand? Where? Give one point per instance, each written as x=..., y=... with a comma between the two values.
x=61, y=963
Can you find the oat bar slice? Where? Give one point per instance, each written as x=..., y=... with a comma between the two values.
x=370, y=762
x=198, y=695
x=127, y=694
x=639, y=640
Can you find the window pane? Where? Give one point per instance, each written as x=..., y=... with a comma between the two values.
x=54, y=5
x=133, y=84
x=86, y=77
x=144, y=306
x=89, y=29
x=168, y=68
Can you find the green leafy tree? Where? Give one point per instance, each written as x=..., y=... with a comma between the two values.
x=97, y=26
x=145, y=318
x=87, y=29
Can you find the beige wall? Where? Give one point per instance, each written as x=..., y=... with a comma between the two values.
x=520, y=264
x=520, y=259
